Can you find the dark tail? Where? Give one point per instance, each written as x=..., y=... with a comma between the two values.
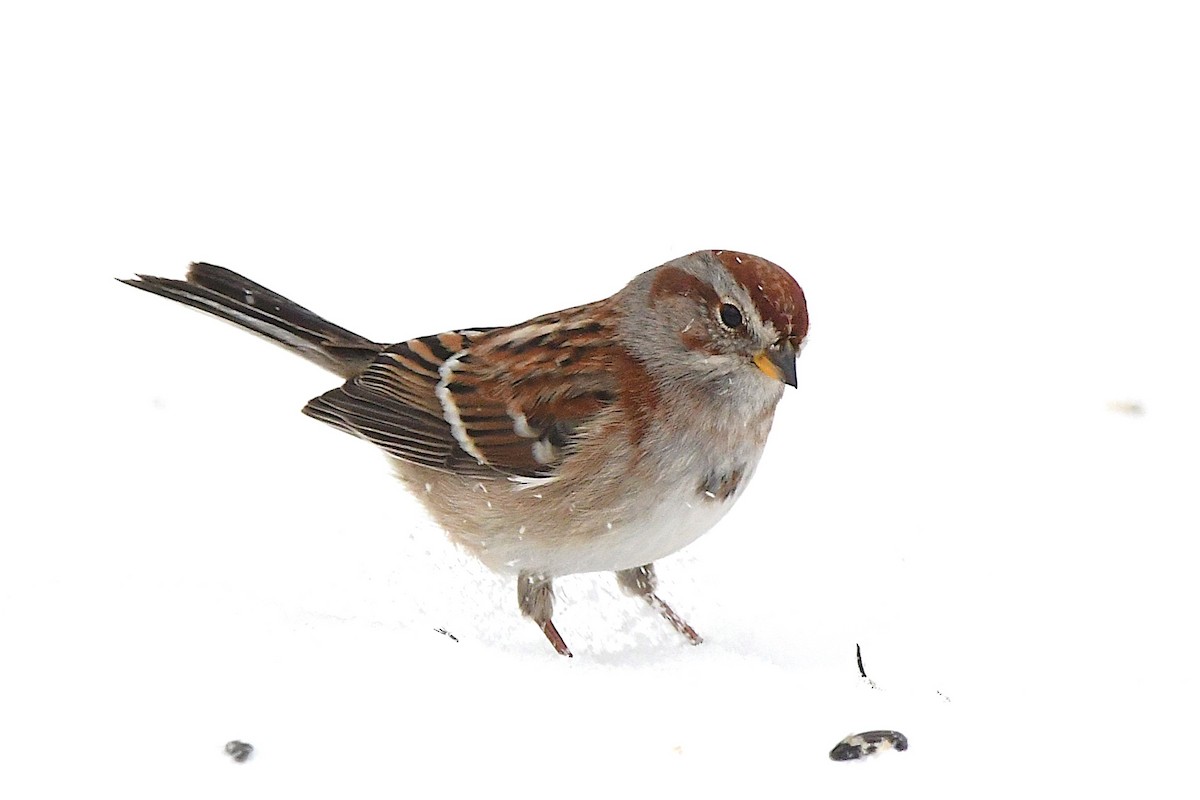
x=225, y=294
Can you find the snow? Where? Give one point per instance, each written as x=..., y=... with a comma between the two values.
x=987, y=477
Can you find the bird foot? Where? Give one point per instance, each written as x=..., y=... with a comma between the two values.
x=676, y=621
x=556, y=640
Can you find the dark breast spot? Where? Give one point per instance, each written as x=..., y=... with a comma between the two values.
x=721, y=486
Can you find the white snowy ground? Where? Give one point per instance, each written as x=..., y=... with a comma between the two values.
x=995, y=216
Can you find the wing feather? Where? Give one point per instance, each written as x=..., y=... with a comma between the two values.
x=482, y=403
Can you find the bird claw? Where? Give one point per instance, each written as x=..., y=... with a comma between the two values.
x=556, y=639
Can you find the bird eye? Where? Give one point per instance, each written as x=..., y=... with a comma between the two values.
x=731, y=316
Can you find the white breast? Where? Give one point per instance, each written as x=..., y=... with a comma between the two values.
x=678, y=519
x=662, y=519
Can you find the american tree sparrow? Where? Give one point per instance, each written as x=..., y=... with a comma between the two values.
x=597, y=438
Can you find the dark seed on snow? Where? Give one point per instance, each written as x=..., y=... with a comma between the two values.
x=240, y=751
x=859, y=745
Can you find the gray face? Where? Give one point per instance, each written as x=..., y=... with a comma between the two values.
x=697, y=323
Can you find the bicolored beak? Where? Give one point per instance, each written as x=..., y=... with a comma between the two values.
x=778, y=362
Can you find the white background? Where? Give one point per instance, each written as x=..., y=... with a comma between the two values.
x=992, y=207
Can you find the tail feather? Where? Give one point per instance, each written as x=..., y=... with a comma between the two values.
x=226, y=294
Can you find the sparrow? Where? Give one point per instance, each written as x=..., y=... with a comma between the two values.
x=599, y=438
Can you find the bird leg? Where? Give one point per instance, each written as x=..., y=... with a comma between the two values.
x=641, y=582
x=535, y=596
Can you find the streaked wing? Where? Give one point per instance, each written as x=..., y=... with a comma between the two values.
x=393, y=404
x=510, y=401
